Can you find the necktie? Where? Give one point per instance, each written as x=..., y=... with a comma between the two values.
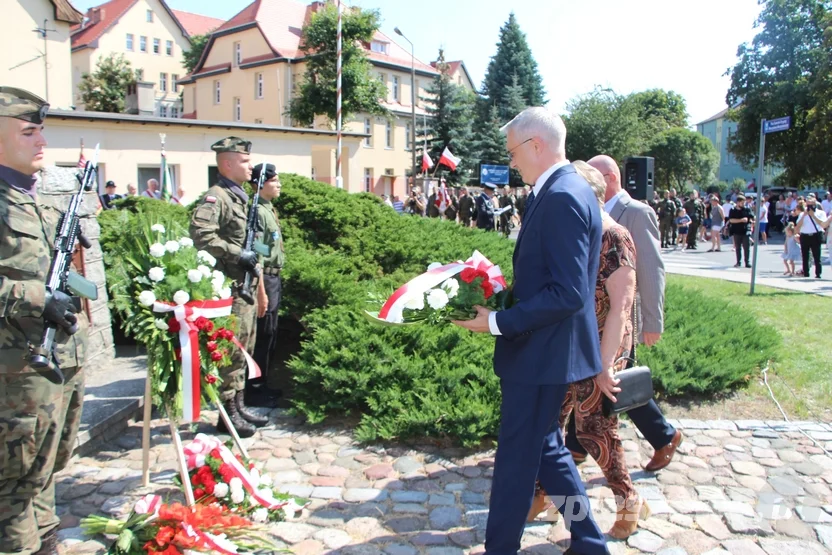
x=529, y=202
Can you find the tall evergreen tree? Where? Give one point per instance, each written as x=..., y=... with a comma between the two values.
x=513, y=59
x=490, y=144
x=450, y=109
x=513, y=99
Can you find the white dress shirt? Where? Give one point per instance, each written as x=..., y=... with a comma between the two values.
x=610, y=204
x=808, y=225
x=827, y=206
x=538, y=185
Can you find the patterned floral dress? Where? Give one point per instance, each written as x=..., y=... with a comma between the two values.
x=598, y=434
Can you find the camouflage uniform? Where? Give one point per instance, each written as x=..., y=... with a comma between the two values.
x=667, y=217
x=38, y=419
x=218, y=226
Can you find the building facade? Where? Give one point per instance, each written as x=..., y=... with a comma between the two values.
x=151, y=36
x=36, y=48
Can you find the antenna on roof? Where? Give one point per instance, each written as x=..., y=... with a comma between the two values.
x=44, y=32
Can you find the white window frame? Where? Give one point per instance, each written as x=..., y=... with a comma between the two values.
x=174, y=112
x=238, y=53
x=129, y=42
x=395, y=88
x=157, y=46
x=368, y=179
x=379, y=46
x=259, y=86
x=407, y=130
x=174, y=86
x=217, y=92
x=368, y=129
x=388, y=135
x=238, y=109
x=143, y=44
x=169, y=48
x=149, y=16
x=163, y=82
x=163, y=111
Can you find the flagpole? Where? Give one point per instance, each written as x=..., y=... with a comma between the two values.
x=162, y=168
x=339, y=180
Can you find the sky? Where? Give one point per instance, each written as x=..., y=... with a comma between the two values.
x=625, y=45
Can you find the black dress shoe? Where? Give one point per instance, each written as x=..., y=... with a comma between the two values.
x=246, y=413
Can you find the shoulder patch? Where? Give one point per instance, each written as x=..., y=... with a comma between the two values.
x=210, y=199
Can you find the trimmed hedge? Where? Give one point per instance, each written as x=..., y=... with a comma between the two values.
x=423, y=381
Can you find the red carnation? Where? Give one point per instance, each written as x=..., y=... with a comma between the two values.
x=214, y=336
x=468, y=275
x=211, y=346
x=173, y=325
x=487, y=289
x=200, y=322
x=210, y=378
x=209, y=327
x=216, y=356
x=216, y=454
x=199, y=493
x=195, y=479
x=226, y=334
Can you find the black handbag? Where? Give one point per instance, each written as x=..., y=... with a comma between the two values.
x=636, y=385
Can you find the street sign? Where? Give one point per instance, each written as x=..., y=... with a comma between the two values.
x=497, y=175
x=775, y=125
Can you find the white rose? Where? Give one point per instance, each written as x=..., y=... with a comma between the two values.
x=261, y=515
x=235, y=484
x=161, y=324
x=217, y=285
x=451, y=287
x=265, y=480
x=195, y=276
x=157, y=227
x=147, y=298
x=186, y=242
x=415, y=302
x=254, y=474
x=206, y=271
x=157, y=250
x=171, y=246
x=434, y=265
x=217, y=275
x=203, y=256
x=181, y=297
x=266, y=494
x=225, y=293
x=238, y=496
x=437, y=299
x=221, y=490
x=156, y=274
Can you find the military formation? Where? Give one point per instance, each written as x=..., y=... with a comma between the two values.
x=40, y=417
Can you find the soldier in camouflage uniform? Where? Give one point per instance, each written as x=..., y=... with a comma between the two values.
x=218, y=225
x=679, y=205
x=38, y=419
x=667, y=217
x=266, y=392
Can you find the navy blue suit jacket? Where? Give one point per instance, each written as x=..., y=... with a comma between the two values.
x=550, y=335
x=485, y=213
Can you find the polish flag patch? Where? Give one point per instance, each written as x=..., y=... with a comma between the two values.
x=210, y=199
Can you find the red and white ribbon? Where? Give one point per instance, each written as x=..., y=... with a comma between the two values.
x=204, y=444
x=210, y=541
x=189, y=348
x=421, y=284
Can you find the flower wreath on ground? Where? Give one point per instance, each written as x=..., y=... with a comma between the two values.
x=183, y=319
x=219, y=476
x=437, y=297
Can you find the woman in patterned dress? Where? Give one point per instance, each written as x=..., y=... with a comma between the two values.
x=614, y=297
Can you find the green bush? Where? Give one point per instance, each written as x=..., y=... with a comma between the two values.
x=422, y=381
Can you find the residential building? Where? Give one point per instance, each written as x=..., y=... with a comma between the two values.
x=718, y=129
x=151, y=36
x=252, y=68
x=459, y=74
x=36, y=48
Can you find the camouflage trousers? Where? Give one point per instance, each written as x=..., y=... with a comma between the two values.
x=39, y=421
x=666, y=232
x=234, y=375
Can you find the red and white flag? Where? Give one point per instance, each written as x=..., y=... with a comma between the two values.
x=82, y=162
x=449, y=159
x=427, y=163
x=442, y=199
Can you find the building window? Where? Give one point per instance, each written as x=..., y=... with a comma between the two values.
x=408, y=128
x=313, y=173
x=143, y=44
x=150, y=16
x=378, y=46
x=258, y=86
x=139, y=75
x=238, y=109
x=368, y=129
x=174, y=112
x=156, y=46
x=163, y=82
x=217, y=96
x=174, y=86
x=169, y=47
x=129, y=45
x=368, y=179
x=389, y=134
x=395, y=88
x=238, y=54
x=163, y=111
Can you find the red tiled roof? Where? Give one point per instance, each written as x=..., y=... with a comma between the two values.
x=196, y=24
x=107, y=14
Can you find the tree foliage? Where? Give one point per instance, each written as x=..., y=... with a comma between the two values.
x=683, y=156
x=192, y=55
x=490, y=143
x=660, y=110
x=361, y=93
x=602, y=122
x=784, y=72
x=104, y=89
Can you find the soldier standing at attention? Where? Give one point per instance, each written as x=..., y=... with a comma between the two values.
x=218, y=226
x=667, y=216
x=466, y=208
x=679, y=205
x=264, y=392
x=38, y=419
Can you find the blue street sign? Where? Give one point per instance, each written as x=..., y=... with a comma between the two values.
x=775, y=125
x=497, y=175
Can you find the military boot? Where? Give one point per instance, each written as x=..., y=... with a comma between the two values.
x=244, y=429
x=247, y=413
x=49, y=543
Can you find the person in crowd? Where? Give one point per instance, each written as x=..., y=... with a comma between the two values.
x=762, y=221
x=110, y=196
x=485, y=207
x=695, y=210
x=826, y=203
x=547, y=340
x=780, y=212
x=131, y=190
x=398, y=205
x=416, y=203
x=809, y=225
x=717, y=223
x=667, y=213
x=791, y=250
x=679, y=204
x=507, y=201
x=152, y=190
x=683, y=223
x=39, y=419
x=466, y=207
x=741, y=218
x=727, y=206
x=521, y=202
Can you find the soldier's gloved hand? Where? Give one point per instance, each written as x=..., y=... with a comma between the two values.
x=60, y=310
x=248, y=260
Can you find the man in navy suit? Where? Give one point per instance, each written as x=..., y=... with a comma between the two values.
x=485, y=207
x=547, y=339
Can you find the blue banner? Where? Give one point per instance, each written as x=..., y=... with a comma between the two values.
x=497, y=175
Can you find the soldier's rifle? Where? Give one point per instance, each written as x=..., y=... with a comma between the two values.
x=251, y=244
x=61, y=277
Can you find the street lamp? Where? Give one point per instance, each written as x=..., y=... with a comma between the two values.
x=412, y=106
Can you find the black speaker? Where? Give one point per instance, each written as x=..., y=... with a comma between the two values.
x=638, y=177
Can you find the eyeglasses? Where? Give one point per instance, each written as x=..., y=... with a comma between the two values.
x=511, y=152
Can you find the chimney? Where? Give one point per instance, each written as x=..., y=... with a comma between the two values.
x=95, y=17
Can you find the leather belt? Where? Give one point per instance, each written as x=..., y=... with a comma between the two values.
x=271, y=271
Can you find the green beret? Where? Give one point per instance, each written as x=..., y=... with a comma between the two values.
x=232, y=144
x=20, y=104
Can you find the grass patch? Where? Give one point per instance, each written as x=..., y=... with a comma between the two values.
x=804, y=361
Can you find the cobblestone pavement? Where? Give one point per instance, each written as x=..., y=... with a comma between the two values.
x=740, y=487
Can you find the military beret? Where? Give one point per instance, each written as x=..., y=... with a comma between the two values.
x=271, y=171
x=20, y=104
x=490, y=186
x=232, y=144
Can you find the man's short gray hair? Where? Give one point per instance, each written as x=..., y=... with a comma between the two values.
x=539, y=122
x=594, y=178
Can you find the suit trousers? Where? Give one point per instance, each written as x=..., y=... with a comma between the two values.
x=530, y=445
x=811, y=243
